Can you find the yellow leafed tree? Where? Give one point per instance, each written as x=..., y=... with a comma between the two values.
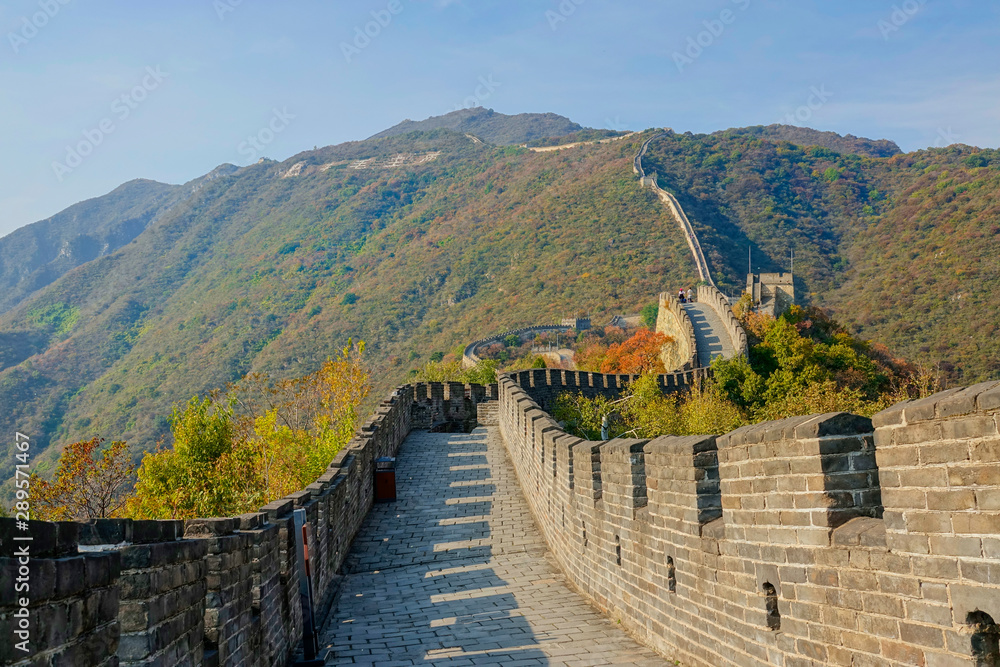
x=257, y=441
x=90, y=482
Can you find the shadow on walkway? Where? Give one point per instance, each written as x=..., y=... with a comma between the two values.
x=454, y=572
x=420, y=586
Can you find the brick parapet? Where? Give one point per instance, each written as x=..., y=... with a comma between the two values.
x=719, y=302
x=672, y=319
x=792, y=505
x=450, y=405
x=212, y=591
x=544, y=385
x=937, y=461
x=74, y=606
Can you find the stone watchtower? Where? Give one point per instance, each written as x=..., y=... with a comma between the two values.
x=771, y=292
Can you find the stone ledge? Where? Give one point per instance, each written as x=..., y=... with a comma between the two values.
x=797, y=428
x=210, y=527
x=47, y=538
x=147, y=532
x=106, y=531
x=861, y=531
x=942, y=405
x=159, y=554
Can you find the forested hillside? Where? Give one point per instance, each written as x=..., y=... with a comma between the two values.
x=36, y=255
x=420, y=242
x=491, y=126
x=902, y=249
x=264, y=270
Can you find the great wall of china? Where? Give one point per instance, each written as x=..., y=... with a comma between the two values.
x=717, y=334
x=817, y=540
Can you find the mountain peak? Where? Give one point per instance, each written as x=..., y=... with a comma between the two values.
x=490, y=125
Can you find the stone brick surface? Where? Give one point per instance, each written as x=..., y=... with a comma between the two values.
x=211, y=591
x=455, y=572
x=807, y=541
x=860, y=577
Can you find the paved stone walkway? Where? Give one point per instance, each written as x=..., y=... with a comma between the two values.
x=456, y=573
x=710, y=333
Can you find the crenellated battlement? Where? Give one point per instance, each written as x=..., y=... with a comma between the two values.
x=826, y=539
x=543, y=385
x=470, y=357
x=209, y=591
x=816, y=540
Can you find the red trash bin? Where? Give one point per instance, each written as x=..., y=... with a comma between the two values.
x=385, y=478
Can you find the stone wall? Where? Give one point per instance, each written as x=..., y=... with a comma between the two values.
x=543, y=385
x=448, y=406
x=73, y=613
x=819, y=540
x=214, y=591
x=470, y=358
x=673, y=320
x=720, y=303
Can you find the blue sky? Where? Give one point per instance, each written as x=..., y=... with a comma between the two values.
x=168, y=91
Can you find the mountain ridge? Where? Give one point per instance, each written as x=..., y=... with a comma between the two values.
x=489, y=125
x=421, y=241
x=34, y=256
x=847, y=144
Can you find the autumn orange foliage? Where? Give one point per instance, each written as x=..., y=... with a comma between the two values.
x=88, y=484
x=639, y=354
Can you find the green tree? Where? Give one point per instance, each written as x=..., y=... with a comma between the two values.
x=648, y=315
x=484, y=372
x=800, y=363
x=201, y=475
x=257, y=441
